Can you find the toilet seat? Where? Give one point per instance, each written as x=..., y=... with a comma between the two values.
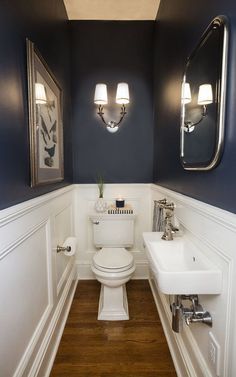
x=113, y=260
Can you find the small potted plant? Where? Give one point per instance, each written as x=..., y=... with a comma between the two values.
x=100, y=204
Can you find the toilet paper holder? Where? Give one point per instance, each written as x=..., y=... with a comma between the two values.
x=63, y=248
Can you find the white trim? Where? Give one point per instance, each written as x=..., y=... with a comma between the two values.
x=12, y=213
x=64, y=275
x=91, y=185
x=189, y=363
x=228, y=306
x=18, y=224
x=214, y=231
x=9, y=248
x=35, y=369
x=71, y=259
x=218, y=215
x=36, y=335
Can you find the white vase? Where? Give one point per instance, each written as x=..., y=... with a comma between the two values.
x=100, y=205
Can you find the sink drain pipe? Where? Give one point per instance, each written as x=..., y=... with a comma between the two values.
x=192, y=314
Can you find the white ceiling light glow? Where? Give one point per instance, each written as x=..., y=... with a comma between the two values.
x=112, y=10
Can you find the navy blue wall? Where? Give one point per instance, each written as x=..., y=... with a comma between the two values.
x=45, y=23
x=112, y=52
x=179, y=26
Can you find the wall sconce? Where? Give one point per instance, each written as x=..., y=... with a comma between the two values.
x=41, y=97
x=205, y=97
x=122, y=98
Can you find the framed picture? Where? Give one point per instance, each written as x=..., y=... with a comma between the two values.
x=45, y=121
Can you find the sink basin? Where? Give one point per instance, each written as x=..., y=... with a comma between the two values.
x=180, y=267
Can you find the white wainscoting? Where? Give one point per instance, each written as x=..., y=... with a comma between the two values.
x=36, y=283
x=137, y=195
x=214, y=232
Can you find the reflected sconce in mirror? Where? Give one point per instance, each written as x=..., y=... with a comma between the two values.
x=40, y=94
x=186, y=96
x=41, y=97
x=122, y=98
x=205, y=97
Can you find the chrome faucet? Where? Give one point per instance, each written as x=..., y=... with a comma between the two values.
x=169, y=228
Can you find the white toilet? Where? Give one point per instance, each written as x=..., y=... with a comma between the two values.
x=113, y=265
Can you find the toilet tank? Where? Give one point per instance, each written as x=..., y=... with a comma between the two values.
x=114, y=230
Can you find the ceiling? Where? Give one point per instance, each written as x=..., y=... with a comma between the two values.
x=114, y=10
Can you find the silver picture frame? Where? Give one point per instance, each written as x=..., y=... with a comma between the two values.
x=45, y=121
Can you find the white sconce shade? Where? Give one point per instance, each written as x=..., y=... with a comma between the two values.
x=100, y=96
x=122, y=93
x=40, y=94
x=205, y=95
x=186, y=93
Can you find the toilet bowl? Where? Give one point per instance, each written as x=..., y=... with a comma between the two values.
x=113, y=265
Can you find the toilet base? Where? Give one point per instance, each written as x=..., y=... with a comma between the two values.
x=113, y=304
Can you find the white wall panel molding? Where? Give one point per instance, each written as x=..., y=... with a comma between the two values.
x=64, y=276
x=63, y=226
x=55, y=329
x=224, y=218
x=33, y=274
x=30, y=271
x=214, y=231
x=12, y=213
x=12, y=246
x=41, y=320
x=26, y=278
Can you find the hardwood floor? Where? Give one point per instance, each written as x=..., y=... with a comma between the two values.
x=134, y=348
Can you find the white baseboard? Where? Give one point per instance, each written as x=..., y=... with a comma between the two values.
x=141, y=270
x=85, y=273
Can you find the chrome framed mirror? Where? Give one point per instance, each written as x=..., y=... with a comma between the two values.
x=203, y=99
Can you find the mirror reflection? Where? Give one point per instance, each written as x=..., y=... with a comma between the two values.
x=203, y=99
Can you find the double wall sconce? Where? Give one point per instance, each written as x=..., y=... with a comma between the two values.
x=205, y=97
x=122, y=98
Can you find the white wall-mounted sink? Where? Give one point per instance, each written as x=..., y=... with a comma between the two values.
x=180, y=267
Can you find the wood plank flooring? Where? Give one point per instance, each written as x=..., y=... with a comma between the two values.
x=134, y=348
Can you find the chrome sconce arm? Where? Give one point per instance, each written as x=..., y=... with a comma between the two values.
x=112, y=124
x=189, y=125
